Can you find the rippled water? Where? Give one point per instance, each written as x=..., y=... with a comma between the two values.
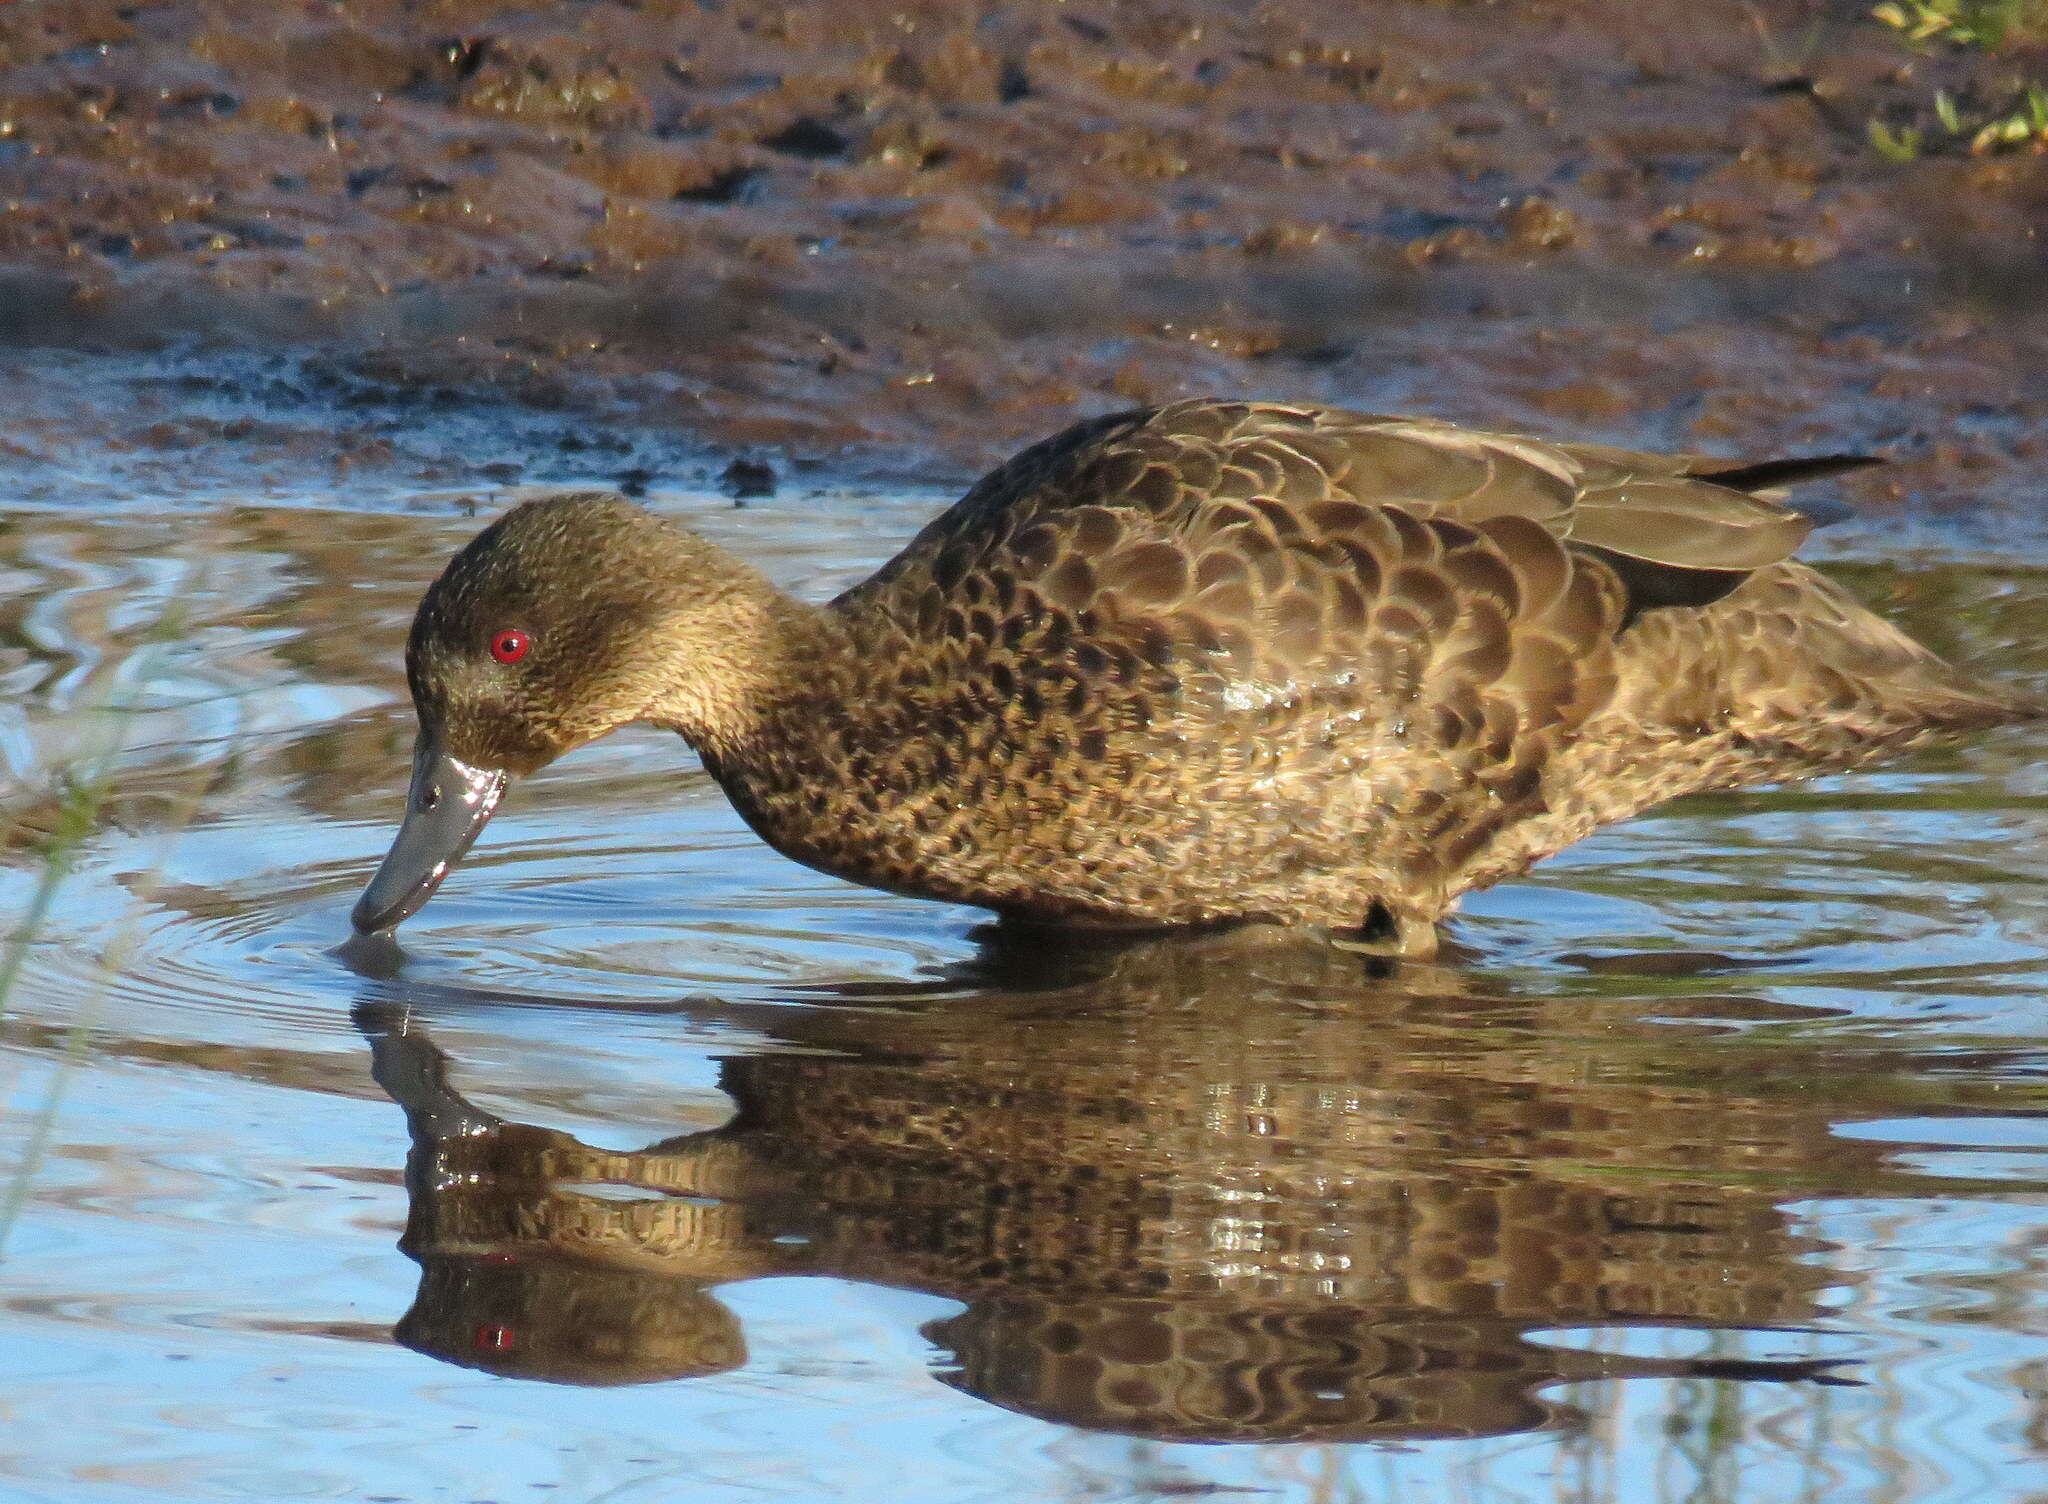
x=662, y=1168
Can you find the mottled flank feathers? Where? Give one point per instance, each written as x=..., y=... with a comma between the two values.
x=1230, y=660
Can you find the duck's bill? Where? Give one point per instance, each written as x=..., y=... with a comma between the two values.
x=449, y=803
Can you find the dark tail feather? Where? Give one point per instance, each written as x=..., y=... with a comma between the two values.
x=1772, y=473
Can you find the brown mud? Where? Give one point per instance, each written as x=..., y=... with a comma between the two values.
x=905, y=237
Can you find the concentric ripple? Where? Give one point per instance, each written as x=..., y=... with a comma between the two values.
x=1799, y=1028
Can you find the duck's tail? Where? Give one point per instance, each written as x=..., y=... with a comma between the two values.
x=1967, y=703
x=1771, y=476
x=1799, y=678
x=1863, y=672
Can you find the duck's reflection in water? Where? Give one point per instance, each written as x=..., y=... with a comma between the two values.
x=1224, y=1188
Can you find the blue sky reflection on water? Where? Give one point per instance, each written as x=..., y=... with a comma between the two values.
x=1752, y=1085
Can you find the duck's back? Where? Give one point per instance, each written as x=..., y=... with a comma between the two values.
x=1228, y=659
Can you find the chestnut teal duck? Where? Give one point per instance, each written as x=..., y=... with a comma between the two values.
x=1208, y=662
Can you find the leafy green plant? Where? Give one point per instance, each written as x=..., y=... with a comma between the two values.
x=2018, y=123
x=2013, y=120
x=1990, y=24
x=1899, y=144
x=2025, y=126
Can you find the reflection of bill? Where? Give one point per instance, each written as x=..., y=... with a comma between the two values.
x=1221, y=1188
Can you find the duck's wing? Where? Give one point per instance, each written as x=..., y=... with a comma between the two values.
x=1345, y=623
x=1680, y=529
x=1375, y=633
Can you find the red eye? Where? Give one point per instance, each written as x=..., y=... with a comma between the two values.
x=510, y=645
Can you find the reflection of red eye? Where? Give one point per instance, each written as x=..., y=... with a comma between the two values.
x=510, y=645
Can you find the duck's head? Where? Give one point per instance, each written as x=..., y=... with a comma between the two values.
x=565, y=618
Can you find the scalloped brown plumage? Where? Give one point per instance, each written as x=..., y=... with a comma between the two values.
x=1214, y=661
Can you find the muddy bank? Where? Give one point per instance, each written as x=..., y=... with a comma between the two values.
x=904, y=237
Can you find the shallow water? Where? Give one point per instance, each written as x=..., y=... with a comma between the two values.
x=662, y=1168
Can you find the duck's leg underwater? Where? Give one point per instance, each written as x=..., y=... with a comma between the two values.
x=1393, y=933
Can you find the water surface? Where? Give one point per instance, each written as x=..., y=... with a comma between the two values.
x=662, y=1168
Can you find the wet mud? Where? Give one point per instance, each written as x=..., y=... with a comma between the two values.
x=903, y=238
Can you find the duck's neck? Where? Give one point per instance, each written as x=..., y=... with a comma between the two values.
x=735, y=654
